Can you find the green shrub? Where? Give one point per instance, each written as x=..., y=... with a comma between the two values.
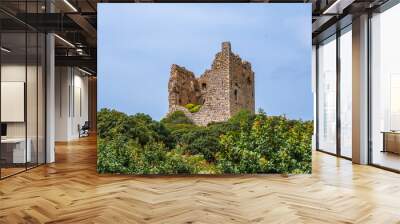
x=190, y=106
x=178, y=130
x=195, y=109
x=140, y=127
x=116, y=155
x=110, y=122
x=242, y=120
x=177, y=117
x=278, y=144
x=246, y=143
x=199, y=141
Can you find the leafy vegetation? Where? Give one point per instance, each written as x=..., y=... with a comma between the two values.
x=246, y=143
x=178, y=117
x=193, y=108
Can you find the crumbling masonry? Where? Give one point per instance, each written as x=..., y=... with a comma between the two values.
x=222, y=90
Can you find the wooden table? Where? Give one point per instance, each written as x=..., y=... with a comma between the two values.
x=391, y=141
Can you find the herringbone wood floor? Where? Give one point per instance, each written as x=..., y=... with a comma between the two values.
x=70, y=191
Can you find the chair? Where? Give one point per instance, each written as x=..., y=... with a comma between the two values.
x=84, y=130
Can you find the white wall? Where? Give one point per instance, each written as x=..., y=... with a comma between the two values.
x=80, y=102
x=314, y=91
x=14, y=72
x=17, y=73
x=62, y=82
x=71, y=102
x=33, y=126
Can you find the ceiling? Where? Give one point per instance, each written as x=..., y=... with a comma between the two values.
x=75, y=21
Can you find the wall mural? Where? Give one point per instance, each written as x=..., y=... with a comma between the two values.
x=242, y=109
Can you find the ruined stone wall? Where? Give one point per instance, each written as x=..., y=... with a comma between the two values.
x=242, y=85
x=203, y=117
x=183, y=87
x=216, y=93
x=222, y=90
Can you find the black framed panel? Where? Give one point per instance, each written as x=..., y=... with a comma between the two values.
x=22, y=77
x=316, y=98
x=338, y=95
x=369, y=106
x=339, y=29
x=326, y=95
x=13, y=103
x=384, y=87
x=344, y=108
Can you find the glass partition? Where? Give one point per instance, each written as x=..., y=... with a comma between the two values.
x=14, y=153
x=22, y=100
x=41, y=91
x=31, y=99
x=385, y=89
x=346, y=92
x=327, y=95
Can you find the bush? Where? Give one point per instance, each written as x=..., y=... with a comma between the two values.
x=140, y=127
x=279, y=145
x=115, y=155
x=190, y=106
x=246, y=143
x=193, y=108
x=199, y=141
x=242, y=120
x=177, y=117
x=109, y=122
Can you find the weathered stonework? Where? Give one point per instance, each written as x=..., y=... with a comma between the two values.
x=222, y=90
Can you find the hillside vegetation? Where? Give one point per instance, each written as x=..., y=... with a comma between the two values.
x=246, y=143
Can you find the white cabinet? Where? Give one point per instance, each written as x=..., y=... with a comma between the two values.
x=18, y=149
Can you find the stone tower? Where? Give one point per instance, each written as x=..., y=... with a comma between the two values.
x=222, y=90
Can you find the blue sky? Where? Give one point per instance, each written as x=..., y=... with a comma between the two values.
x=137, y=43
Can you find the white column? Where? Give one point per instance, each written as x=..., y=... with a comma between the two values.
x=50, y=99
x=360, y=90
x=314, y=91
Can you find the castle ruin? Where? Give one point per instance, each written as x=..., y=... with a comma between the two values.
x=221, y=91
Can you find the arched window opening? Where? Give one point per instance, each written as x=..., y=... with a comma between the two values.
x=203, y=86
x=236, y=95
